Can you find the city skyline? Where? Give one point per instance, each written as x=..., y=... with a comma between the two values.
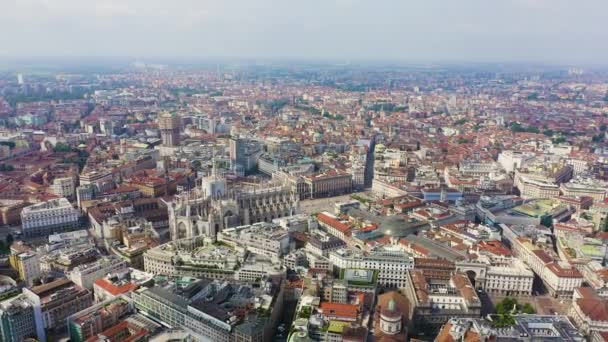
x=282, y=171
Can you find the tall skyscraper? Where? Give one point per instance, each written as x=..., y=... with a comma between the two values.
x=20, y=79
x=236, y=153
x=244, y=154
x=169, y=125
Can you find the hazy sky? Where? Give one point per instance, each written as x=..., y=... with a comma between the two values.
x=571, y=31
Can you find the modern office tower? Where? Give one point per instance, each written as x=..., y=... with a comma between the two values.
x=244, y=155
x=169, y=125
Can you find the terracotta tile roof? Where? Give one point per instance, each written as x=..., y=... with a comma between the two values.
x=586, y=292
x=594, y=308
x=444, y=334
x=333, y=222
x=564, y=272
x=542, y=255
x=495, y=247
x=462, y=283
x=116, y=290
x=603, y=335
x=339, y=309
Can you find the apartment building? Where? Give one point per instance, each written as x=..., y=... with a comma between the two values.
x=54, y=302
x=86, y=274
x=45, y=218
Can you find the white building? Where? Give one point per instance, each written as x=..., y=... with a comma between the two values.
x=56, y=215
x=385, y=188
x=86, y=274
x=391, y=262
x=512, y=160
x=262, y=238
x=515, y=279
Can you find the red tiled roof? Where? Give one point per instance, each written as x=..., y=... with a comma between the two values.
x=542, y=255
x=564, y=272
x=594, y=308
x=114, y=289
x=495, y=247
x=339, y=309
x=332, y=222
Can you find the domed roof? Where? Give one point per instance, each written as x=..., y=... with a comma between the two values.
x=390, y=311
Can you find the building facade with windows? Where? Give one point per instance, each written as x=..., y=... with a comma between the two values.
x=45, y=218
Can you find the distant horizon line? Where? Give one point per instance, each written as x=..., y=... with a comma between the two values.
x=302, y=60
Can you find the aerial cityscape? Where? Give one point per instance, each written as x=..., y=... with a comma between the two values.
x=304, y=194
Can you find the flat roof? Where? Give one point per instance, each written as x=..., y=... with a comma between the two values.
x=337, y=326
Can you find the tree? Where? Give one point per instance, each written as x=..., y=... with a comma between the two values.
x=503, y=321
x=533, y=129
x=506, y=309
x=62, y=147
x=305, y=312
x=506, y=306
x=516, y=127
x=528, y=309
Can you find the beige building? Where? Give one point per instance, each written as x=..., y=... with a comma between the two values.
x=542, y=179
x=169, y=126
x=10, y=211
x=595, y=190
x=331, y=183
x=26, y=262
x=560, y=278
x=589, y=312
x=433, y=301
x=64, y=187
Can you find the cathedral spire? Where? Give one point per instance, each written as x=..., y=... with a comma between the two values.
x=213, y=166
